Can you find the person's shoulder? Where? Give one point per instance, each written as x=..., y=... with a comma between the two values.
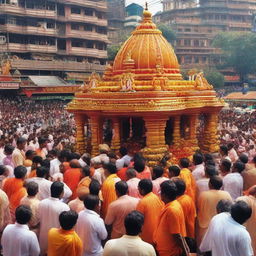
x=53, y=231
x=147, y=246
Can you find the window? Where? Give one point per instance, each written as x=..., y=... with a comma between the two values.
x=187, y=29
x=75, y=10
x=187, y=42
x=74, y=26
x=88, y=12
x=76, y=44
x=88, y=27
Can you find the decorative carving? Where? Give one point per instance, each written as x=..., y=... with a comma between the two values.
x=6, y=67
x=201, y=82
x=127, y=82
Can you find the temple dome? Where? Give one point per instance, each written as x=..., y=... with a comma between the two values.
x=147, y=49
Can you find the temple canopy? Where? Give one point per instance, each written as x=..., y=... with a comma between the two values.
x=143, y=98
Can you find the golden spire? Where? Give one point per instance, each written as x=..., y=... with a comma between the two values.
x=146, y=8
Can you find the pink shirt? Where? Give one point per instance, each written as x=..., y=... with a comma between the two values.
x=133, y=187
x=156, y=184
x=117, y=212
x=146, y=174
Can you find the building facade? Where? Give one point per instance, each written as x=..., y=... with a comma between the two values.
x=59, y=37
x=197, y=26
x=133, y=15
x=116, y=18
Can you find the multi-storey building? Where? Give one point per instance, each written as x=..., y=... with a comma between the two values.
x=133, y=15
x=58, y=37
x=116, y=18
x=197, y=26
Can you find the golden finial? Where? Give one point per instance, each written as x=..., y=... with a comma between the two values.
x=146, y=6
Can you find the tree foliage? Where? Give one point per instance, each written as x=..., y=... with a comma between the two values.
x=112, y=51
x=214, y=78
x=167, y=31
x=238, y=51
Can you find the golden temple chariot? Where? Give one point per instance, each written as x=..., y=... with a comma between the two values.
x=143, y=95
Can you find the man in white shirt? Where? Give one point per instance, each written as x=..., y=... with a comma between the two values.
x=130, y=244
x=17, y=239
x=226, y=235
x=233, y=182
x=55, y=163
x=49, y=210
x=90, y=227
x=45, y=185
x=198, y=172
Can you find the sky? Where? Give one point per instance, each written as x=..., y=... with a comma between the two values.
x=153, y=5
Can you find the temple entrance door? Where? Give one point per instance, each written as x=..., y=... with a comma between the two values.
x=169, y=131
x=184, y=127
x=133, y=130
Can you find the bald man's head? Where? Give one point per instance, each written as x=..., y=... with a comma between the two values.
x=75, y=164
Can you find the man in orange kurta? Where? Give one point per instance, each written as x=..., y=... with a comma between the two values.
x=14, y=189
x=83, y=185
x=108, y=187
x=188, y=207
x=64, y=241
x=188, y=178
x=150, y=206
x=171, y=223
x=72, y=177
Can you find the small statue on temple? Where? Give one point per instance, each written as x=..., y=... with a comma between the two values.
x=5, y=68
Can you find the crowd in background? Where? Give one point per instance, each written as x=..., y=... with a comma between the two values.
x=55, y=201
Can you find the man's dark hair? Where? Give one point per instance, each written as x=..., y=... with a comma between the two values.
x=32, y=188
x=41, y=171
x=208, y=157
x=169, y=189
x=8, y=149
x=20, y=172
x=29, y=153
x=64, y=155
x=76, y=156
x=226, y=164
x=46, y=163
x=244, y=158
x=133, y=223
x=91, y=201
x=86, y=158
x=216, y=182
x=180, y=185
x=184, y=162
x=23, y=214
x=123, y=151
x=37, y=160
x=110, y=167
x=20, y=140
x=254, y=160
x=230, y=146
x=175, y=170
x=224, y=149
x=68, y=219
x=224, y=206
x=57, y=189
x=42, y=140
x=210, y=170
x=146, y=185
x=158, y=171
x=121, y=187
x=238, y=166
x=86, y=170
x=139, y=165
x=241, y=212
x=3, y=169
x=94, y=187
x=198, y=159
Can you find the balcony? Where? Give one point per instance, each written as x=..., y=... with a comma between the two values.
x=69, y=66
x=16, y=47
x=11, y=28
x=88, y=52
x=13, y=9
x=98, y=5
x=87, y=19
x=87, y=35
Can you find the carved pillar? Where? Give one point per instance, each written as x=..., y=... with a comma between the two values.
x=155, y=134
x=211, y=140
x=115, y=143
x=193, y=122
x=80, y=136
x=176, y=131
x=95, y=133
